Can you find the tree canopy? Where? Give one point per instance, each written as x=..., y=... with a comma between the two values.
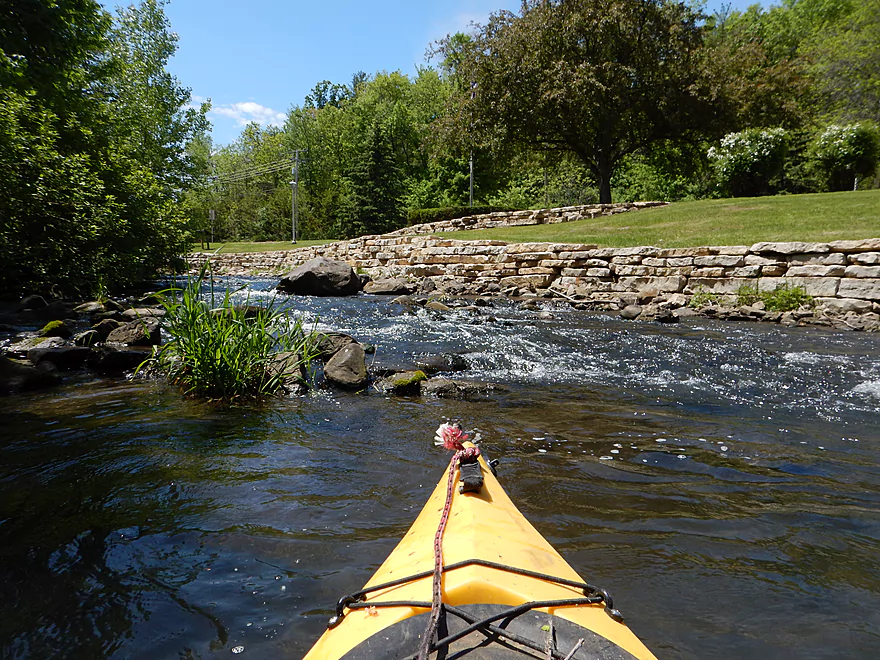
x=601, y=78
x=93, y=145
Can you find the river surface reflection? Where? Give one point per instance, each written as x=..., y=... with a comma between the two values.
x=720, y=480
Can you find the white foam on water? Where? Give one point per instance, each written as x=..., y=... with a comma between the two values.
x=869, y=387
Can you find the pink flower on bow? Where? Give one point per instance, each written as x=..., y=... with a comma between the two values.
x=450, y=436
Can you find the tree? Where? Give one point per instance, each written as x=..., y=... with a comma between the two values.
x=600, y=78
x=846, y=64
x=93, y=146
x=842, y=154
x=152, y=114
x=375, y=188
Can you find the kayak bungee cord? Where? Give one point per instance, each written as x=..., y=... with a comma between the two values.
x=452, y=624
x=449, y=436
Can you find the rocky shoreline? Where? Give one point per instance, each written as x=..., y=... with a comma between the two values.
x=832, y=285
x=841, y=279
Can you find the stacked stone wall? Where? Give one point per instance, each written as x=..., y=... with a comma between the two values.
x=843, y=276
x=524, y=218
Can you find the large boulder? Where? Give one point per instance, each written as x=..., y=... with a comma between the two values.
x=321, y=277
x=348, y=367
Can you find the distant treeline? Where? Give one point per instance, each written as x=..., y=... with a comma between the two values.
x=569, y=103
x=562, y=103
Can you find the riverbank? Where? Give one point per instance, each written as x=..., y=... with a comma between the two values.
x=841, y=277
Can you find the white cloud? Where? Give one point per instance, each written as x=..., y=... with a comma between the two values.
x=247, y=112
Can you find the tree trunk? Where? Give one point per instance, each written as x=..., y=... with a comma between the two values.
x=604, y=187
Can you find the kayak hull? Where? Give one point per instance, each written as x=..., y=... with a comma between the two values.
x=484, y=526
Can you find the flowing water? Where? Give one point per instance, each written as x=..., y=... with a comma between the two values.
x=720, y=480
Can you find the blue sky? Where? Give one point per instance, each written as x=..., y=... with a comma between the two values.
x=256, y=59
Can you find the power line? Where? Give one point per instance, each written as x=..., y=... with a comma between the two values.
x=251, y=172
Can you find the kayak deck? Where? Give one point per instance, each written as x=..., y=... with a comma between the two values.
x=483, y=526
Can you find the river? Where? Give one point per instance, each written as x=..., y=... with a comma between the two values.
x=720, y=480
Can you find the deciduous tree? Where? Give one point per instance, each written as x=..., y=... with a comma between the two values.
x=600, y=78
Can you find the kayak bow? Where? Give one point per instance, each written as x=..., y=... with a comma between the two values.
x=502, y=582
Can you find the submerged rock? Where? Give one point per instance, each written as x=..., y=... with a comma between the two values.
x=390, y=287
x=631, y=312
x=18, y=377
x=431, y=364
x=111, y=360
x=437, y=306
x=66, y=358
x=321, y=277
x=93, y=307
x=456, y=389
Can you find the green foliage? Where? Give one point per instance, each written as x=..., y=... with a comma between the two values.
x=92, y=137
x=841, y=154
x=227, y=352
x=786, y=298
x=749, y=163
x=421, y=216
x=581, y=76
x=783, y=298
x=843, y=59
x=703, y=298
x=748, y=294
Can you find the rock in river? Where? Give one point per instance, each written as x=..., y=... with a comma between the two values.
x=348, y=367
x=321, y=277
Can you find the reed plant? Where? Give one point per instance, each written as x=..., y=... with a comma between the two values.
x=226, y=352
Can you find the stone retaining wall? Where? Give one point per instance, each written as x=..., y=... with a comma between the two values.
x=843, y=276
x=524, y=218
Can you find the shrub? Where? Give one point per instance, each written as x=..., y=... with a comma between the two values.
x=747, y=294
x=420, y=216
x=703, y=298
x=750, y=163
x=841, y=154
x=783, y=298
x=229, y=352
x=786, y=298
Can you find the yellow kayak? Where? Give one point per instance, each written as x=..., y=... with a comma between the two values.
x=506, y=593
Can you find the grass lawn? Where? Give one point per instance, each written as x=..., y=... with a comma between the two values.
x=819, y=217
x=269, y=246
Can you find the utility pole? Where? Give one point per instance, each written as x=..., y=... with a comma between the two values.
x=471, y=186
x=294, y=185
x=212, y=215
x=471, y=198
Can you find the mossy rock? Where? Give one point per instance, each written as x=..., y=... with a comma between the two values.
x=404, y=383
x=56, y=329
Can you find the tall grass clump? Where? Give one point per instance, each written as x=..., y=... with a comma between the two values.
x=227, y=352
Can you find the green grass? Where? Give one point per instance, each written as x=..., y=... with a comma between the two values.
x=743, y=221
x=269, y=246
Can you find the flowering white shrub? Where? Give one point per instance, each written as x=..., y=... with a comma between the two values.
x=841, y=154
x=748, y=162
